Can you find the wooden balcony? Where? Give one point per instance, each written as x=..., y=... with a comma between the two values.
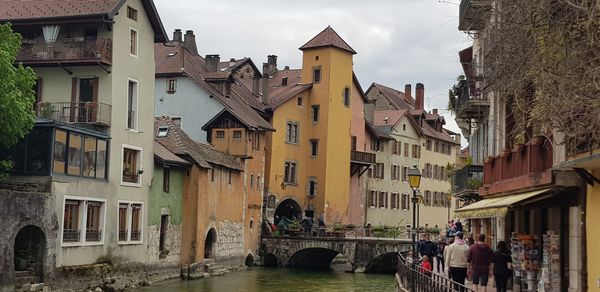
x=35, y=52
x=474, y=14
x=525, y=166
x=97, y=113
x=360, y=157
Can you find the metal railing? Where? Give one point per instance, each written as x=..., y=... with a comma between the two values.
x=468, y=178
x=412, y=278
x=130, y=177
x=75, y=112
x=123, y=234
x=136, y=235
x=581, y=145
x=37, y=51
x=71, y=235
x=358, y=232
x=93, y=235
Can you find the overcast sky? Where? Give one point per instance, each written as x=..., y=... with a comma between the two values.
x=398, y=41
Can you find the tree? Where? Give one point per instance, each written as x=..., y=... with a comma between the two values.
x=16, y=94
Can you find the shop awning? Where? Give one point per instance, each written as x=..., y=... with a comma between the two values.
x=498, y=206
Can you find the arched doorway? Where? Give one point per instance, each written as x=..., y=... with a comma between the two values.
x=249, y=261
x=288, y=208
x=30, y=244
x=209, y=244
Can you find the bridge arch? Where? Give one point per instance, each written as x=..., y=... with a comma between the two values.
x=322, y=252
x=288, y=208
x=386, y=263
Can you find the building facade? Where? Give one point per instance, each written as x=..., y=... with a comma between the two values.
x=93, y=164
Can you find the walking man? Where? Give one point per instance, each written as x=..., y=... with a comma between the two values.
x=456, y=259
x=480, y=258
x=429, y=249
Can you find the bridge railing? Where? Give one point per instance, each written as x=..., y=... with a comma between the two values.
x=357, y=232
x=410, y=277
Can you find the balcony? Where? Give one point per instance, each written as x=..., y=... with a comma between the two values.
x=525, y=166
x=360, y=157
x=73, y=51
x=97, y=113
x=579, y=146
x=466, y=182
x=473, y=14
x=470, y=103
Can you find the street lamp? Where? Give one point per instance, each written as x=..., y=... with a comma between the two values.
x=414, y=180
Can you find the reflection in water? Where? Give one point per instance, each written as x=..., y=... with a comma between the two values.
x=284, y=280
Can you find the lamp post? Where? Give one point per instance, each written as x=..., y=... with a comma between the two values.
x=414, y=179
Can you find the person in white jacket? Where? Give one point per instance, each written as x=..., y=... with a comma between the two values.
x=456, y=259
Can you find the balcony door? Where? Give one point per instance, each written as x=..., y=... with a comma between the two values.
x=84, y=98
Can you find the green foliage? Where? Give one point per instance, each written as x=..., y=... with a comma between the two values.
x=451, y=100
x=474, y=183
x=16, y=94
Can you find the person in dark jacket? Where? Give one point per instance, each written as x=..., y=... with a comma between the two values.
x=480, y=258
x=428, y=248
x=501, y=266
x=441, y=244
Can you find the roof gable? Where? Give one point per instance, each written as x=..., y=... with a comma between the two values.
x=328, y=38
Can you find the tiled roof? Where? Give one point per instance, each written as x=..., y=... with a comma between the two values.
x=396, y=97
x=162, y=154
x=38, y=10
x=175, y=59
x=227, y=66
x=388, y=117
x=179, y=143
x=431, y=132
x=278, y=93
x=328, y=38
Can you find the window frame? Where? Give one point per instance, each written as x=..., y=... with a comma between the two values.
x=237, y=135
x=171, y=85
x=135, y=109
x=137, y=42
x=166, y=179
x=220, y=134
x=316, y=78
x=287, y=172
x=132, y=13
x=289, y=130
x=314, y=113
x=139, y=161
x=314, y=148
x=130, y=222
x=311, y=183
x=346, y=96
x=82, y=221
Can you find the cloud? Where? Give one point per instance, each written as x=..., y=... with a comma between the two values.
x=398, y=41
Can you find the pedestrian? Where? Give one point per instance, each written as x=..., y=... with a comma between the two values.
x=480, y=259
x=456, y=259
x=441, y=245
x=315, y=225
x=426, y=266
x=307, y=225
x=458, y=226
x=428, y=248
x=470, y=239
x=450, y=241
x=501, y=266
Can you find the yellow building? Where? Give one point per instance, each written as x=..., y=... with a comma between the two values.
x=308, y=166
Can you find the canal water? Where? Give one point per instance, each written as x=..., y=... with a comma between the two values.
x=280, y=280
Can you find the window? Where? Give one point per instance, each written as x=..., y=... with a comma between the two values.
x=133, y=42
x=317, y=75
x=290, y=172
x=237, y=134
x=166, y=179
x=347, y=96
x=435, y=172
x=229, y=175
x=380, y=146
x=395, y=172
x=312, y=186
x=83, y=220
x=429, y=144
x=372, y=199
x=163, y=131
x=220, y=134
x=292, y=134
x=171, y=86
x=79, y=155
x=132, y=13
x=436, y=147
x=314, y=113
x=299, y=101
x=414, y=151
x=74, y=154
x=284, y=81
x=427, y=198
x=132, y=94
x=130, y=222
x=370, y=172
x=255, y=140
x=405, y=149
x=405, y=202
x=162, y=239
x=252, y=181
x=383, y=202
x=314, y=147
x=379, y=170
x=258, y=182
x=395, y=201
x=404, y=127
x=396, y=147
x=404, y=173
x=131, y=164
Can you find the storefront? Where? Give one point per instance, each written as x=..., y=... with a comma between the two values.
x=543, y=229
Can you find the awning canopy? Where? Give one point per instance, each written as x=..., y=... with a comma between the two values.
x=498, y=206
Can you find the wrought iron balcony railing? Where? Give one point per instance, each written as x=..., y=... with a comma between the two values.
x=467, y=180
x=93, y=235
x=78, y=51
x=71, y=235
x=76, y=112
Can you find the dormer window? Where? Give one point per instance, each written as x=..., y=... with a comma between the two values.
x=284, y=81
x=162, y=131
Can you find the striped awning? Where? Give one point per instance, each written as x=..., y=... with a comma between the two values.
x=497, y=206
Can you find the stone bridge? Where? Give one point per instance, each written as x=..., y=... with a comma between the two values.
x=375, y=255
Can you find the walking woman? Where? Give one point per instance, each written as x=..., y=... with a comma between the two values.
x=501, y=266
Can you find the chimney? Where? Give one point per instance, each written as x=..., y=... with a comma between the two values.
x=189, y=41
x=272, y=59
x=265, y=70
x=407, y=92
x=177, y=36
x=212, y=62
x=420, y=96
x=435, y=111
x=231, y=62
x=255, y=85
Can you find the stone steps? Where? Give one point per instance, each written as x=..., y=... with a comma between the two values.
x=22, y=280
